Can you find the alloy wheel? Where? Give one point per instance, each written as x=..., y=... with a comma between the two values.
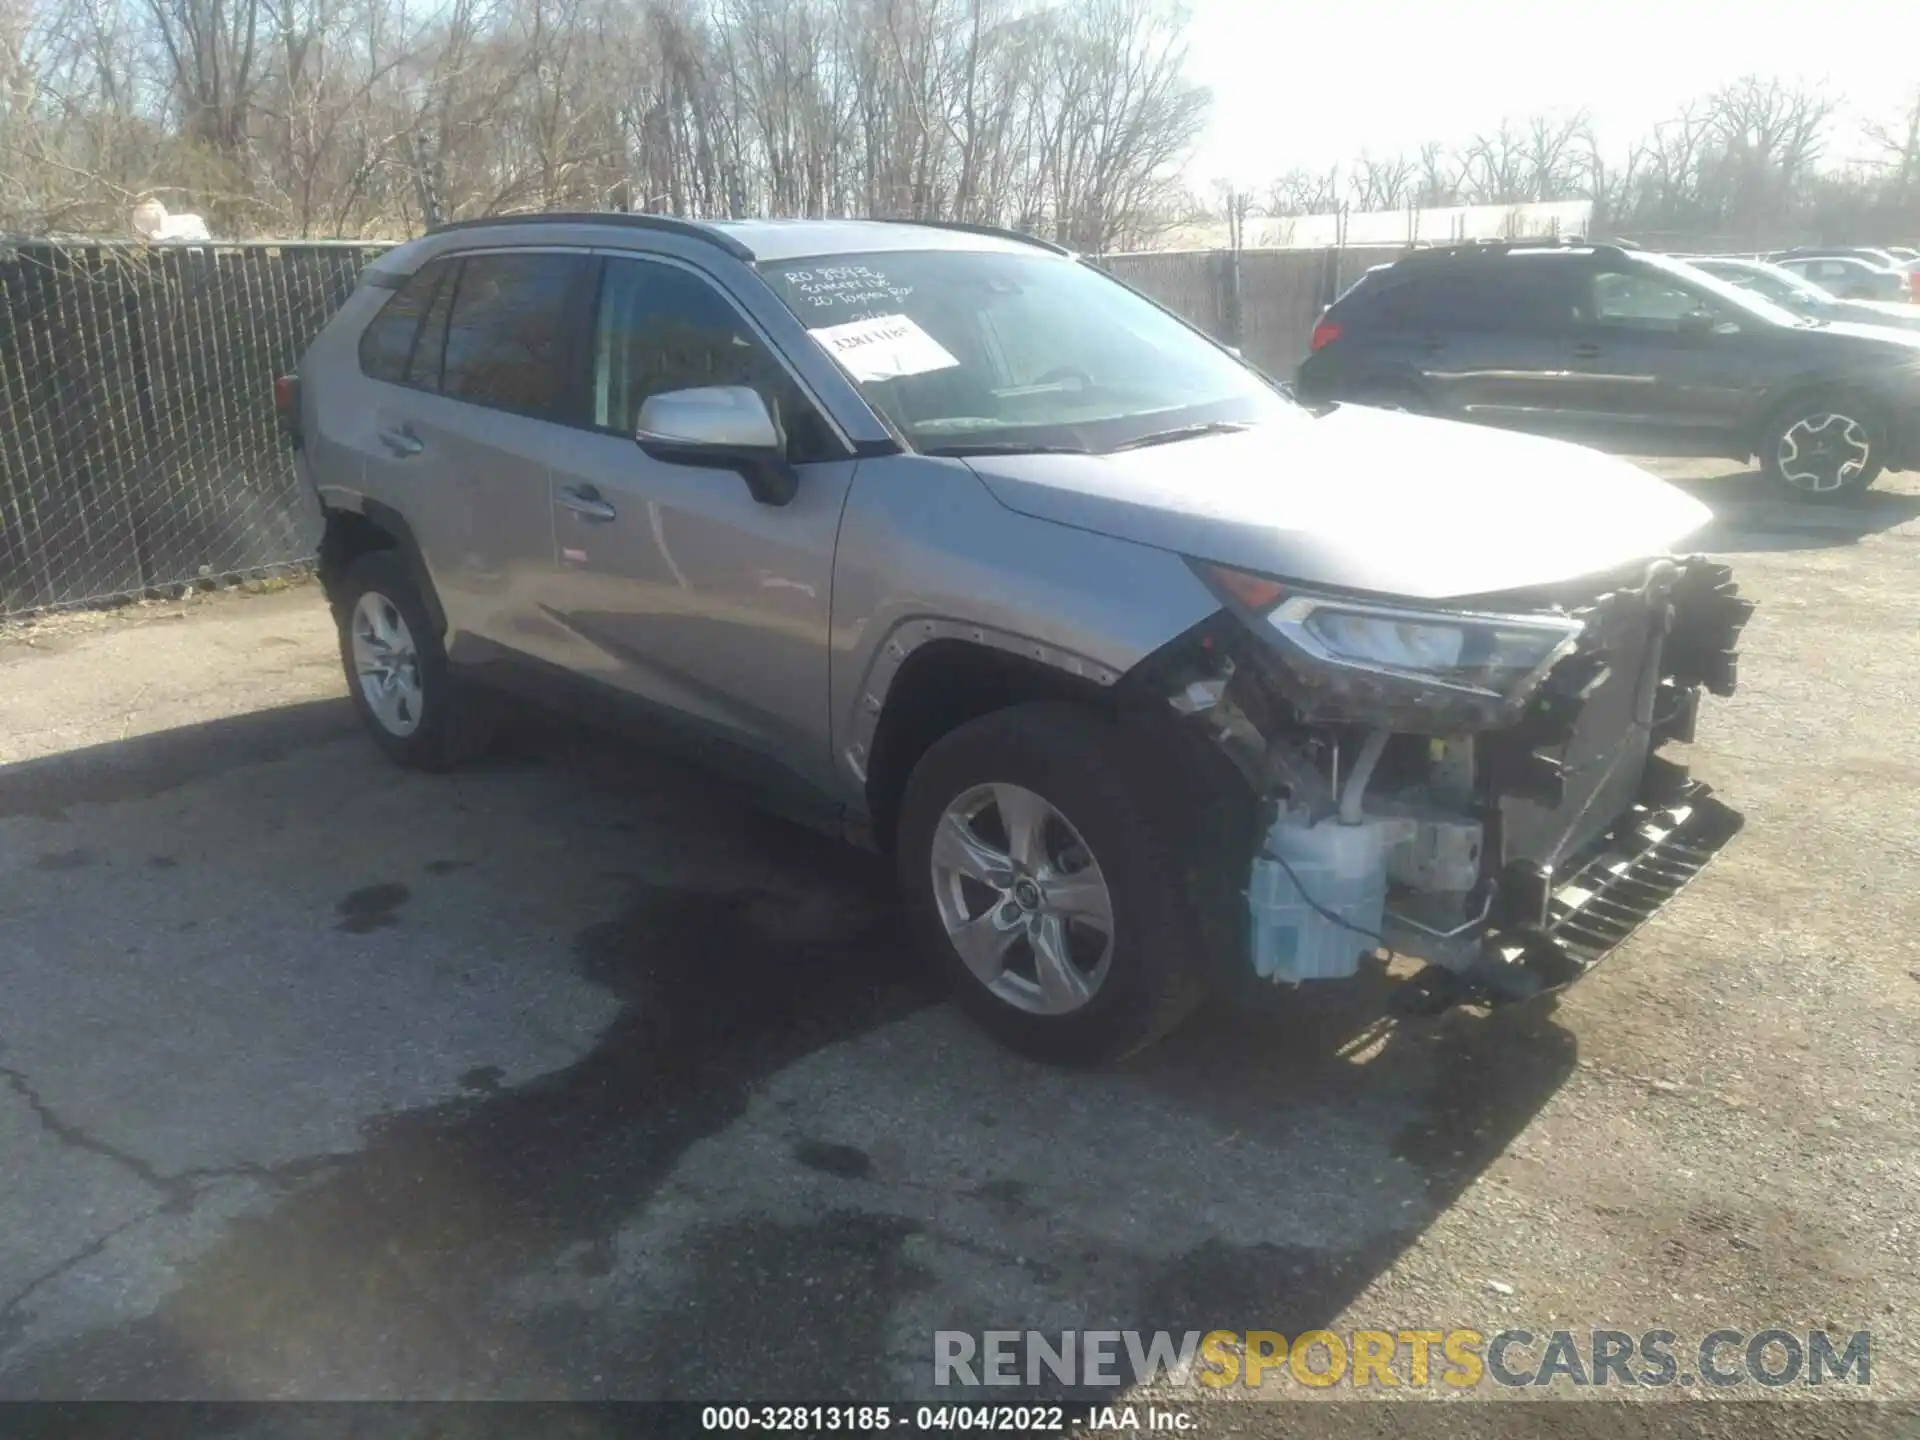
x=387, y=663
x=1024, y=902
x=1824, y=452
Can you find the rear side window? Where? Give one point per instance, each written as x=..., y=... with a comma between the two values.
x=388, y=342
x=506, y=334
x=1512, y=296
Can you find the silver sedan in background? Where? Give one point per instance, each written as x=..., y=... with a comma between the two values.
x=1792, y=291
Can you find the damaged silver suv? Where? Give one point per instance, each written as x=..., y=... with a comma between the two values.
x=1150, y=679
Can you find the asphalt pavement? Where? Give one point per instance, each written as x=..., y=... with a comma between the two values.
x=569, y=1075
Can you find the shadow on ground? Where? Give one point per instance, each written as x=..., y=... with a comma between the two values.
x=1751, y=514
x=402, y=1261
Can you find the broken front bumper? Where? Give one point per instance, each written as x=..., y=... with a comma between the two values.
x=1556, y=933
x=1595, y=832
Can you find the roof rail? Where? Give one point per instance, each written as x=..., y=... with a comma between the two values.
x=666, y=224
x=968, y=227
x=1470, y=248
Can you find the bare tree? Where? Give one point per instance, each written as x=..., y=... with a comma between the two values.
x=1551, y=149
x=1898, y=145
x=1438, y=179
x=1495, y=169
x=212, y=53
x=1768, y=135
x=1381, y=184
x=1305, y=192
x=1613, y=187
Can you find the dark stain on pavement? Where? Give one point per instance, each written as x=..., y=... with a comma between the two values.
x=393, y=1263
x=1008, y=1196
x=847, y=1162
x=162, y=862
x=76, y=859
x=372, y=907
x=446, y=867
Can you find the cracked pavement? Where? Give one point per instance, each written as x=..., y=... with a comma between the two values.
x=571, y=1076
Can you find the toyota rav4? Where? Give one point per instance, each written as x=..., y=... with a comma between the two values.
x=1150, y=679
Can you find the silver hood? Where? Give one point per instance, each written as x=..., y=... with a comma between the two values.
x=1365, y=500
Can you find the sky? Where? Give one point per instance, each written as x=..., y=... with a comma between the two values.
x=1311, y=84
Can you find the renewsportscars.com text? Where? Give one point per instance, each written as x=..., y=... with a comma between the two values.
x=1456, y=1359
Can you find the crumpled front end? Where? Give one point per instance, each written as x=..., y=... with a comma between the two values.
x=1494, y=801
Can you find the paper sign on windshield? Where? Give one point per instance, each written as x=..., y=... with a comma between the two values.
x=883, y=348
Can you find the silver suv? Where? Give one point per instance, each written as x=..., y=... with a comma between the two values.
x=1153, y=681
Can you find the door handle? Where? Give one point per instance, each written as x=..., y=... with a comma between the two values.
x=402, y=441
x=585, y=502
x=1433, y=344
x=1586, y=351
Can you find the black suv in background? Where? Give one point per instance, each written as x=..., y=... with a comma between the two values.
x=1626, y=351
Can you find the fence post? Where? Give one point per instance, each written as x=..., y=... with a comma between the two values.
x=1228, y=295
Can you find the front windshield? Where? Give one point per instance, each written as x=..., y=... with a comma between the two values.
x=972, y=350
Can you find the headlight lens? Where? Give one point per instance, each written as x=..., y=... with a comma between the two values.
x=1490, y=655
x=1377, y=640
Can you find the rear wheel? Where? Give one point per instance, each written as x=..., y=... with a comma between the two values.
x=1041, y=877
x=397, y=670
x=1824, y=448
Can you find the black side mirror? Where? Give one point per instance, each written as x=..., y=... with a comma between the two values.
x=1697, y=322
x=721, y=427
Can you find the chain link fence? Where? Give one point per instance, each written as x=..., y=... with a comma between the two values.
x=139, y=450
x=1263, y=302
x=1196, y=285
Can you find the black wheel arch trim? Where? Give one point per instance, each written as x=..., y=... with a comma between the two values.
x=1778, y=400
x=392, y=524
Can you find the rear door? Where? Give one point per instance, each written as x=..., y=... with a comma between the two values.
x=1659, y=366
x=466, y=441
x=1489, y=339
x=398, y=355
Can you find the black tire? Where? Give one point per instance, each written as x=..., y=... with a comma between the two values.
x=1837, y=420
x=455, y=720
x=1084, y=766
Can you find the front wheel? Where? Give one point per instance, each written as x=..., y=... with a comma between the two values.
x=1039, y=873
x=1825, y=448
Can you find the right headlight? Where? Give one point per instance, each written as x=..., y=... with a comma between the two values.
x=1471, y=653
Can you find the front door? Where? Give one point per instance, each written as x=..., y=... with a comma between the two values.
x=676, y=585
x=1659, y=365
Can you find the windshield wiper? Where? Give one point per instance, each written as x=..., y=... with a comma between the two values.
x=965, y=448
x=1184, y=432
